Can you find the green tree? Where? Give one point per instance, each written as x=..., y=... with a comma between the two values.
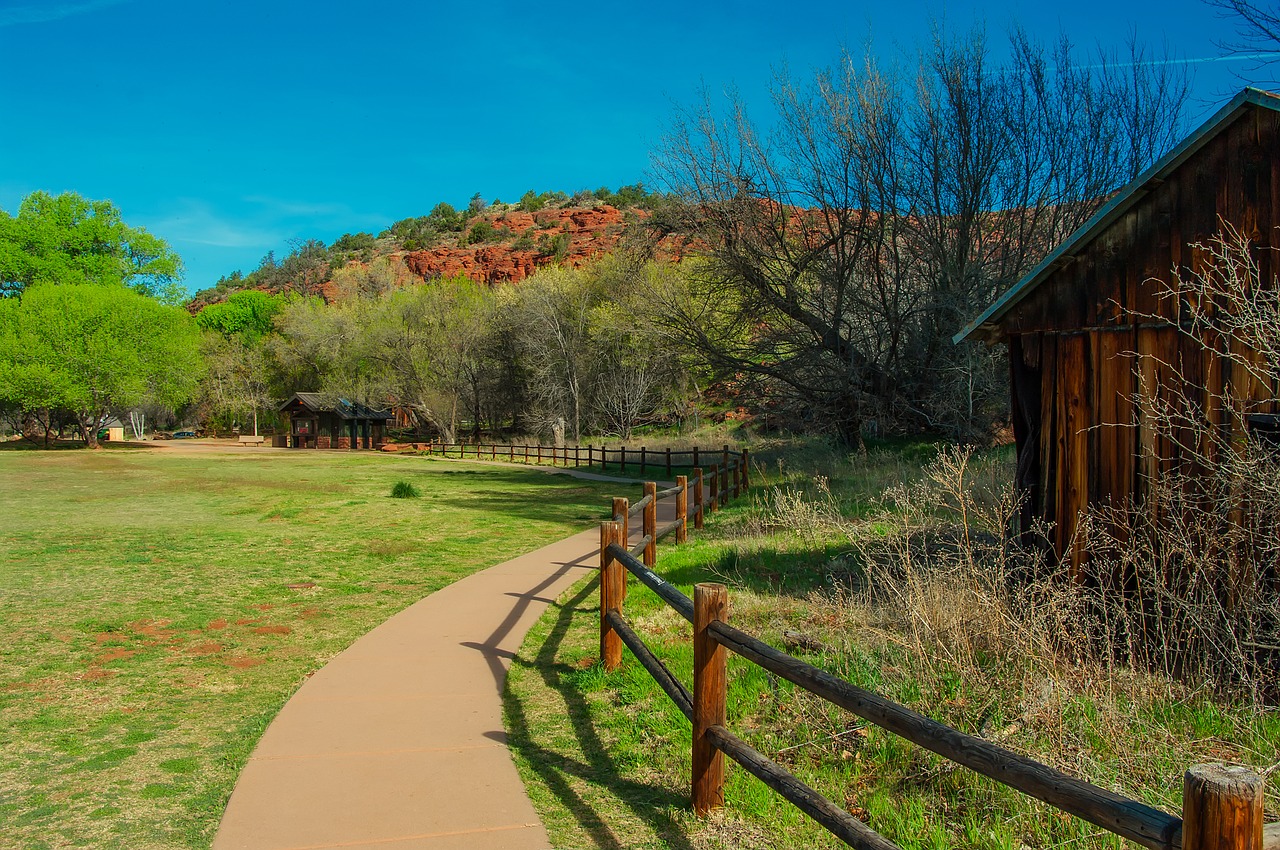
x=93, y=350
x=353, y=246
x=247, y=314
x=69, y=239
x=530, y=201
x=238, y=380
x=425, y=345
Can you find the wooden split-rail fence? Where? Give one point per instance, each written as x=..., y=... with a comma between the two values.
x=1222, y=805
x=640, y=459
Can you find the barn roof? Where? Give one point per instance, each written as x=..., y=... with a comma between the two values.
x=321, y=403
x=987, y=325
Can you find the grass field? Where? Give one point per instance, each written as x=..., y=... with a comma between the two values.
x=606, y=755
x=157, y=608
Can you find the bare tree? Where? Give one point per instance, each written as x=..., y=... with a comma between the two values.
x=846, y=243
x=555, y=308
x=1257, y=32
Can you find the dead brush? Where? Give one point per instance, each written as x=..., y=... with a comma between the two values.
x=938, y=567
x=810, y=512
x=1184, y=596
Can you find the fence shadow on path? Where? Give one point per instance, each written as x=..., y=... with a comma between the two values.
x=650, y=804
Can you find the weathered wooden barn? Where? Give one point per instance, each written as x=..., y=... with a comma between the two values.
x=316, y=422
x=1088, y=335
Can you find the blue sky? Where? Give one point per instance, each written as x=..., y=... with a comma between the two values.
x=230, y=127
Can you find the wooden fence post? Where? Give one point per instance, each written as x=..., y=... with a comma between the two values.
x=539, y=452
x=643, y=459
x=710, y=603
x=682, y=508
x=1221, y=808
x=613, y=579
x=724, y=458
x=695, y=457
x=746, y=471
x=737, y=475
x=651, y=524
x=713, y=501
x=604, y=451
x=697, y=497
x=623, y=450
x=724, y=485
x=668, y=461
x=526, y=452
x=621, y=507
x=511, y=453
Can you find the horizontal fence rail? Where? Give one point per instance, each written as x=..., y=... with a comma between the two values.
x=1222, y=806
x=1127, y=818
x=837, y=821
x=734, y=463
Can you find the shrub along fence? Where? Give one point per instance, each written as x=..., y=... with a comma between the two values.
x=1222, y=806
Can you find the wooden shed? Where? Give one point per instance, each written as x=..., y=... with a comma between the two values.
x=1088, y=335
x=319, y=422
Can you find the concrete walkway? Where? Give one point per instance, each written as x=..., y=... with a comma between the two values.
x=398, y=742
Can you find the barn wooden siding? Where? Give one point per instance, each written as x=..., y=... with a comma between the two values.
x=1093, y=335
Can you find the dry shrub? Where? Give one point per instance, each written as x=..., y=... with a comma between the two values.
x=938, y=569
x=1185, y=581
x=810, y=512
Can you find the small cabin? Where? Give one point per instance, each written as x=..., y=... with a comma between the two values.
x=1087, y=333
x=317, y=421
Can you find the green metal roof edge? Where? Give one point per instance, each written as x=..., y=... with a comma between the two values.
x=1120, y=204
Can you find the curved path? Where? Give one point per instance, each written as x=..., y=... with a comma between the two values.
x=398, y=743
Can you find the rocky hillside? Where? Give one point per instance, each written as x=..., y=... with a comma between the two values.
x=527, y=242
x=499, y=243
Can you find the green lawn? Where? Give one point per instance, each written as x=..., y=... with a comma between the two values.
x=157, y=609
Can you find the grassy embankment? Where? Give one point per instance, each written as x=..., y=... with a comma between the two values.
x=891, y=593
x=157, y=609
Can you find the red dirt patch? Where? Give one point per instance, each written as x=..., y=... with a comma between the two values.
x=208, y=648
x=247, y=622
x=116, y=654
x=108, y=637
x=98, y=673
x=272, y=630
x=265, y=606
x=31, y=685
x=302, y=585
x=151, y=627
x=241, y=662
x=310, y=613
x=217, y=625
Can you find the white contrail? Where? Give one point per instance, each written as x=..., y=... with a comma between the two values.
x=1199, y=60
